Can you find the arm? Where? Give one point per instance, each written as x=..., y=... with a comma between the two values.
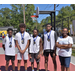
x=66, y=46
x=28, y=43
x=3, y=47
x=40, y=46
x=18, y=46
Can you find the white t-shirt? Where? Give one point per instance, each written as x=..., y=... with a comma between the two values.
x=63, y=41
x=26, y=38
x=9, y=51
x=34, y=48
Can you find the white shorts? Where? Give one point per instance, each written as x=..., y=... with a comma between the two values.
x=25, y=56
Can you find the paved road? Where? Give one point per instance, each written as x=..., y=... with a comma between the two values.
x=72, y=57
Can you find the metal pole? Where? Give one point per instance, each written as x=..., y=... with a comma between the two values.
x=68, y=23
x=36, y=22
x=24, y=13
x=62, y=23
x=51, y=19
x=54, y=21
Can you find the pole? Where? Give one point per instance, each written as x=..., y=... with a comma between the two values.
x=36, y=22
x=24, y=13
x=54, y=15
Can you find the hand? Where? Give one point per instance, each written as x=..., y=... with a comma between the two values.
x=38, y=57
x=30, y=56
x=22, y=51
x=54, y=54
x=42, y=53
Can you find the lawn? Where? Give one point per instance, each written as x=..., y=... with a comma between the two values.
x=0, y=41
x=73, y=52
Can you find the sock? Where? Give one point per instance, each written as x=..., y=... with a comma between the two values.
x=32, y=69
x=37, y=70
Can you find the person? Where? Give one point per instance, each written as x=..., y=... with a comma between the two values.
x=22, y=43
x=9, y=48
x=49, y=40
x=35, y=49
x=64, y=45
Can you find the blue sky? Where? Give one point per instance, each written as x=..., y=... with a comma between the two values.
x=41, y=7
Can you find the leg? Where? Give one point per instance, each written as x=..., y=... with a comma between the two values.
x=32, y=65
x=19, y=58
x=19, y=64
x=7, y=58
x=46, y=63
x=67, y=63
x=62, y=68
x=13, y=65
x=54, y=62
x=38, y=65
x=62, y=63
x=7, y=64
x=25, y=65
x=46, y=54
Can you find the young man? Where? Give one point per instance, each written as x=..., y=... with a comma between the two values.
x=49, y=40
x=64, y=44
x=9, y=48
x=35, y=49
x=22, y=43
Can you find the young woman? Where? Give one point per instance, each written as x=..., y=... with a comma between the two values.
x=22, y=43
x=64, y=44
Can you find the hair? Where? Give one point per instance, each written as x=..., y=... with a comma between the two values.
x=22, y=25
x=36, y=30
x=9, y=29
x=48, y=24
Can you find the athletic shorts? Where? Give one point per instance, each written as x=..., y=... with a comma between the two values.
x=7, y=58
x=34, y=56
x=25, y=56
x=65, y=61
x=47, y=52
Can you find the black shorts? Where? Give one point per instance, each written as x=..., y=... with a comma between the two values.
x=7, y=58
x=47, y=52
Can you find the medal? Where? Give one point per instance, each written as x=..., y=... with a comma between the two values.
x=10, y=43
x=48, y=39
x=48, y=36
x=22, y=37
x=34, y=42
x=22, y=41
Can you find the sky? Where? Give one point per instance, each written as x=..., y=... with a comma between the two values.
x=41, y=7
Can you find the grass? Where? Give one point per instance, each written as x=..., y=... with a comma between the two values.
x=73, y=52
x=0, y=41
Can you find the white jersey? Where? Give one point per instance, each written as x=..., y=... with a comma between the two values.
x=26, y=38
x=34, y=48
x=63, y=41
x=49, y=44
x=9, y=51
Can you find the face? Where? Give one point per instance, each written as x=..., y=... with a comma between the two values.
x=22, y=29
x=35, y=32
x=65, y=32
x=10, y=33
x=48, y=27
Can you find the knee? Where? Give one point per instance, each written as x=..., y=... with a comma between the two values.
x=12, y=62
x=46, y=60
x=7, y=62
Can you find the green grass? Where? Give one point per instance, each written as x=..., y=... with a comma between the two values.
x=73, y=52
x=0, y=41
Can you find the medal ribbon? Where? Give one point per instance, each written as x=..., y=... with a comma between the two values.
x=48, y=35
x=10, y=39
x=35, y=38
x=22, y=36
